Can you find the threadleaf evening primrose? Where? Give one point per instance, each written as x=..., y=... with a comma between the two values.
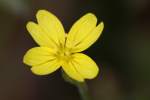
x=59, y=49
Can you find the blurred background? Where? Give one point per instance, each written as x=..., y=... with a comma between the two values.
x=122, y=52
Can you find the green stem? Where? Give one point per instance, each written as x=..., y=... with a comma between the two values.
x=82, y=86
x=83, y=90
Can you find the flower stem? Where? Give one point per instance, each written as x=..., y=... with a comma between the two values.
x=82, y=86
x=83, y=90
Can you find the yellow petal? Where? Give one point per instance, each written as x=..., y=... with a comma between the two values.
x=51, y=25
x=39, y=55
x=39, y=35
x=81, y=29
x=46, y=68
x=89, y=39
x=71, y=71
x=85, y=66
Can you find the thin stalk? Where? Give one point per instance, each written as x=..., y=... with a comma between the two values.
x=82, y=87
x=83, y=90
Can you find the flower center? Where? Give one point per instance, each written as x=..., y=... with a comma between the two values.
x=64, y=54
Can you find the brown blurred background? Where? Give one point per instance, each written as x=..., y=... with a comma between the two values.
x=122, y=52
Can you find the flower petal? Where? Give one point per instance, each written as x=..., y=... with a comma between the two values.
x=38, y=55
x=85, y=66
x=51, y=25
x=70, y=70
x=81, y=29
x=39, y=35
x=46, y=68
x=90, y=39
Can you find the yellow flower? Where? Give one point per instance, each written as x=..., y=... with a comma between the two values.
x=59, y=49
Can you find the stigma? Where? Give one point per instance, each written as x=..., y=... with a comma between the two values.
x=64, y=54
